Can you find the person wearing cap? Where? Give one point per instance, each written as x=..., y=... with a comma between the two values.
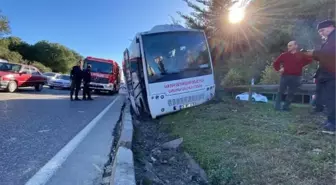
x=326, y=76
x=76, y=80
x=86, y=83
x=290, y=65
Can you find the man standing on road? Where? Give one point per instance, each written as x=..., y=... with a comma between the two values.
x=327, y=60
x=76, y=80
x=86, y=83
x=290, y=65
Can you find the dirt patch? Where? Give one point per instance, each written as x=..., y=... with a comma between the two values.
x=159, y=161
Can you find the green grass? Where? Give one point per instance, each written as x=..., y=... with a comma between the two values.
x=250, y=143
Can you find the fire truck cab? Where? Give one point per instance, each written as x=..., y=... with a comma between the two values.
x=105, y=74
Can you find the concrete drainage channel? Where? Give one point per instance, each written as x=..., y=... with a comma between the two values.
x=119, y=170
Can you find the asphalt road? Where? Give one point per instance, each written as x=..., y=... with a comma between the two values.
x=34, y=126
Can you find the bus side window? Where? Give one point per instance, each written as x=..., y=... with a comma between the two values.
x=134, y=66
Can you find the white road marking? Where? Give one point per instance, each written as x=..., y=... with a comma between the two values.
x=41, y=131
x=12, y=139
x=49, y=169
x=97, y=168
x=26, y=171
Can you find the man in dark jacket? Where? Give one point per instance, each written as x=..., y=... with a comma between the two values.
x=76, y=80
x=319, y=104
x=86, y=83
x=290, y=65
x=326, y=76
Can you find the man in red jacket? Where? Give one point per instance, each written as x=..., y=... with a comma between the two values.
x=290, y=65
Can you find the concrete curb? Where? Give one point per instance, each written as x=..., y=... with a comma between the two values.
x=126, y=134
x=123, y=165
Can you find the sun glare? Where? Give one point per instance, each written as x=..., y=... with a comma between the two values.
x=236, y=15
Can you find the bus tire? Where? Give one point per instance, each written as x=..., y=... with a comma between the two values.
x=134, y=106
x=143, y=110
x=142, y=107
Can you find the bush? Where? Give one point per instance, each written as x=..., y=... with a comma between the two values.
x=11, y=56
x=269, y=76
x=233, y=78
x=41, y=67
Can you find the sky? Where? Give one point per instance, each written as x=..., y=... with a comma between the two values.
x=98, y=28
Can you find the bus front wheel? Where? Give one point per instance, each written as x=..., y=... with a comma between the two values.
x=143, y=110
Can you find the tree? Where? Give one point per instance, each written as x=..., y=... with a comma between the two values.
x=52, y=55
x=174, y=21
x=4, y=25
x=10, y=55
x=264, y=33
x=269, y=76
x=212, y=16
x=55, y=56
x=233, y=78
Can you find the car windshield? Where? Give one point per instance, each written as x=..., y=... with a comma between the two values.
x=63, y=77
x=10, y=67
x=176, y=55
x=99, y=67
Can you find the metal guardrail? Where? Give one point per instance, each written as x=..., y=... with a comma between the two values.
x=303, y=90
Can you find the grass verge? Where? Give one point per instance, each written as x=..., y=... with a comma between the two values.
x=250, y=143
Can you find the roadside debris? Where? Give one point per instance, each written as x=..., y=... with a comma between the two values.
x=174, y=144
x=160, y=160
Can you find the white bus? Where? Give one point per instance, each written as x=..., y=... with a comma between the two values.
x=167, y=69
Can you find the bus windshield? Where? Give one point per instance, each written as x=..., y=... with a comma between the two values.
x=99, y=67
x=176, y=55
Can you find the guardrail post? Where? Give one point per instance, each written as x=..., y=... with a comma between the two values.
x=250, y=94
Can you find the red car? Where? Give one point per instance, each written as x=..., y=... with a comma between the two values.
x=13, y=76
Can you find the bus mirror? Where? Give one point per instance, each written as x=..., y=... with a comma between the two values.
x=137, y=40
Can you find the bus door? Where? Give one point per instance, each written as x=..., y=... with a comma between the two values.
x=136, y=79
x=141, y=76
x=128, y=78
x=129, y=82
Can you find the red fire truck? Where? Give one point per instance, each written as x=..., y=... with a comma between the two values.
x=105, y=75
